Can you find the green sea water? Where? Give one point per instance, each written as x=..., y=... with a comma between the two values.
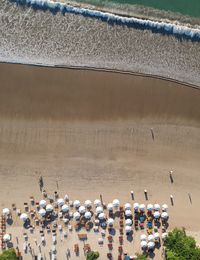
x=184, y=7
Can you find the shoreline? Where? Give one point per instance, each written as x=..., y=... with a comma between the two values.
x=180, y=31
x=122, y=72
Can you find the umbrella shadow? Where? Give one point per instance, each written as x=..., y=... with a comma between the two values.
x=130, y=237
x=112, y=231
x=151, y=254
x=9, y=221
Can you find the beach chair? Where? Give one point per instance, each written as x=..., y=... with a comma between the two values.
x=87, y=248
x=120, y=249
x=141, y=225
x=149, y=231
x=110, y=239
x=119, y=257
x=121, y=231
x=109, y=256
x=87, y=226
x=13, y=206
x=76, y=249
x=121, y=240
x=32, y=201
x=54, y=239
x=110, y=246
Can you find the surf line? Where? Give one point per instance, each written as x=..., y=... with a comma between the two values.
x=164, y=28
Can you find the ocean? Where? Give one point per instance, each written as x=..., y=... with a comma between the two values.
x=72, y=38
x=184, y=7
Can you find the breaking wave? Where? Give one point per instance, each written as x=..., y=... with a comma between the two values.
x=178, y=30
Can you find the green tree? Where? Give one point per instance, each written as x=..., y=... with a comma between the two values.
x=179, y=246
x=9, y=254
x=92, y=255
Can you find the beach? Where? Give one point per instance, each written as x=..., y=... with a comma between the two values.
x=74, y=40
x=90, y=133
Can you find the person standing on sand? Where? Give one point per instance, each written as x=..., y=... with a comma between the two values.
x=41, y=183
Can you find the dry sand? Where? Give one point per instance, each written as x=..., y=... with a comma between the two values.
x=91, y=132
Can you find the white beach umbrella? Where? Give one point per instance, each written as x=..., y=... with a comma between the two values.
x=97, y=203
x=127, y=206
x=156, y=214
x=164, y=207
x=116, y=203
x=99, y=210
x=76, y=203
x=156, y=235
x=150, y=237
x=143, y=244
x=6, y=238
x=82, y=209
x=136, y=206
x=65, y=208
x=49, y=208
x=142, y=207
x=88, y=203
x=164, y=236
x=151, y=245
x=156, y=207
x=60, y=202
x=150, y=207
x=128, y=229
x=102, y=216
x=66, y=197
x=164, y=215
x=43, y=203
x=76, y=215
x=88, y=215
x=128, y=222
x=24, y=217
x=128, y=213
x=143, y=237
x=6, y=211
x=42, y=212
x=110, y=206
x=110, y=222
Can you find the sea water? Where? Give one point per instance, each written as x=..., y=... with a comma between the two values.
x=185, y=7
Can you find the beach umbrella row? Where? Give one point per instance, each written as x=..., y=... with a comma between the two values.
x=128, y=222
x=6, y=211
x=6, y=238
x=24, y=217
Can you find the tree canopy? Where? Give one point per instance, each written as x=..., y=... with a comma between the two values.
x=8, y=255
x=92, y=255
x=179, y=246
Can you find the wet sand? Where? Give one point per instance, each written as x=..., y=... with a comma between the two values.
x=91, y=133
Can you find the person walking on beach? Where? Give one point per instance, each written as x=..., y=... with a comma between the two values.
x=41, y=183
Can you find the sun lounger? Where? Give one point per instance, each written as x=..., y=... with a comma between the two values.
x=13, y=206
x=121, y=231
x=110, y=246
x=110, y=239
x=87, y=248
x=120, y=249
x=76, y=249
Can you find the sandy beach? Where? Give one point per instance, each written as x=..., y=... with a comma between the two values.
x=90, y=133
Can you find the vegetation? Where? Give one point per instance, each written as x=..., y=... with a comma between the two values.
x=141, y=257
x=92, y=255
x=179, y=246
x=8, y=255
